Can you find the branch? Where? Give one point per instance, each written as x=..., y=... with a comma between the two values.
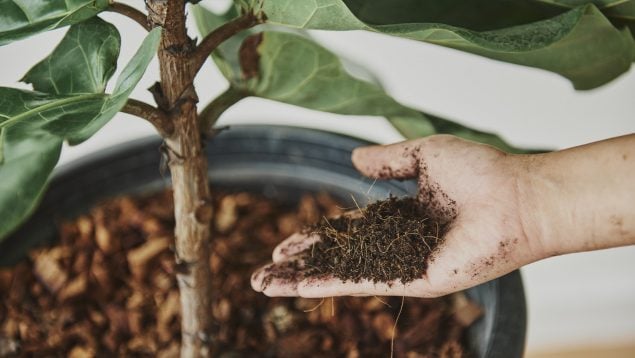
x=143, y=110
x=130, y=12
x=217, y=107
x=218, y=36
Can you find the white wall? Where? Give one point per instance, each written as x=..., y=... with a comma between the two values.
x=575, y=300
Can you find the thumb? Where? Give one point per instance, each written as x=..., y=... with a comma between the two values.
x=394, y=161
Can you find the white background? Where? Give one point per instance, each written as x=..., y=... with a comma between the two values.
x=574, y=301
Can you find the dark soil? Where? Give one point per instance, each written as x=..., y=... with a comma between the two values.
x=388, y=240
x=108, y=289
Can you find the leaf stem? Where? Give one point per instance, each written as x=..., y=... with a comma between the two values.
x=222, y=33
x=130, y=12
x=153, y=115
x=210, y=114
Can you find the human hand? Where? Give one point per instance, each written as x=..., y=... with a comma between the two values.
x=475, y=188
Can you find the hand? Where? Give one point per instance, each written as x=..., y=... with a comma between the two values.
x=475, y=187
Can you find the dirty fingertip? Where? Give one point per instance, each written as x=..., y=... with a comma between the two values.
x=257, y=279
x=360, y=157
x=281, y=288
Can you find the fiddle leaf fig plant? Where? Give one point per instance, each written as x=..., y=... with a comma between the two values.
x=263, y=50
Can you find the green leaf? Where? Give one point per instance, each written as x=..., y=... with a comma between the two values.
x=580, y=44
x=34, y=124
x=28, y=162
x=318, y=80
x=622, y=14
x=23, y=18
x=126, y=82
x=624, y=10
x=601, y=4
x=75, y=116
x=82, y=63
x=476, y=15
x=415, y=126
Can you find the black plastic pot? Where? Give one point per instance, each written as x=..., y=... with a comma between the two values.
x=279, y=162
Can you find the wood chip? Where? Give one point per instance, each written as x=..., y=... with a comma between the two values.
x=383, y=324
x=115, y=293
x=465, y=311
x=99, y=272
x=74, y=288
x=104, y=240
x=8, y=347
x=226, y=215
x=139, y=258
x=48, y=271
x=6, y=276
x=168, y=311
x=221, y=310
x=81, y=352
x=85, y=227
x=172, y=351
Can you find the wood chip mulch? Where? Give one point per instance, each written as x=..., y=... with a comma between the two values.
x=108, y=288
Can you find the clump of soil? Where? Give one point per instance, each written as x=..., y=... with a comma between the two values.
x=108, y=288
x=388, y=240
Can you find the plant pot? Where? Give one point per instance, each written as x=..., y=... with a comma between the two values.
x=278, y=162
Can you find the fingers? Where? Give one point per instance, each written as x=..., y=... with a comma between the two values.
x=278, y=279
x=395, y=161
x=299, y=242
x=287, y=279
x=327, y=287
x=293, y=245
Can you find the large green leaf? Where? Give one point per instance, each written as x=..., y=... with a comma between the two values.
x=317, y=79
x=28, y=162
x=477, y=15
x=319, y=82
x=624, y=10
x=82, y=63
x=601, y=4
x=34, y=124
x=580, y=44
x=22, y=18
x=622, y=14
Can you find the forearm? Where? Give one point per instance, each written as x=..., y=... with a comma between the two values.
x=582, y=198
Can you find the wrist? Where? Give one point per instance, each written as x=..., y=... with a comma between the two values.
x=537, y=205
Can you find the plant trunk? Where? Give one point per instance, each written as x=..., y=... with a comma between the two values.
x=188, y=166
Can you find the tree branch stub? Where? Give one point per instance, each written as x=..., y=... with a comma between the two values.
x=218, y=36
x=155, y=116
x=132, y=13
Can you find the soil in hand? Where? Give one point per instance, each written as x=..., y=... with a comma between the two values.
x=388, y=240
x=108, y=288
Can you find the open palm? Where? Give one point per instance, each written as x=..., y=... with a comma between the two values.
x=473, y=187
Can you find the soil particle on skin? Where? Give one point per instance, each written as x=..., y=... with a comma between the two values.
x=114, y=292
x=386, y=241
